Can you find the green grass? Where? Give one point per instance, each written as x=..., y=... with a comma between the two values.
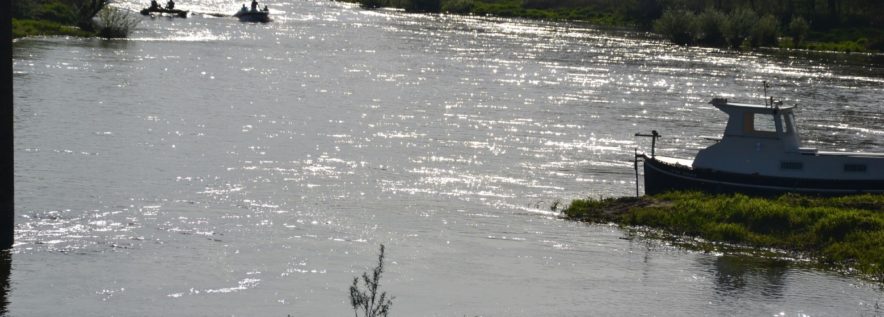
x=23, y=28
x=843, y=232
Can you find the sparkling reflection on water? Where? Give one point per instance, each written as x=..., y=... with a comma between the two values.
x=210, y=167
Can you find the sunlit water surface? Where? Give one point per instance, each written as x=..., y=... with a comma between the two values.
x=207, y=167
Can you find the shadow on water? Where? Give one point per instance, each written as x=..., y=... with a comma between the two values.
x=738, y=274
x=109, y=44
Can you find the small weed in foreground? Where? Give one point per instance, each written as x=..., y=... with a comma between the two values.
x=365, y=299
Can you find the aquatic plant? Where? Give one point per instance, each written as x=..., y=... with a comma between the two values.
x=844, y=232
x=365, y=299
x=116, y=23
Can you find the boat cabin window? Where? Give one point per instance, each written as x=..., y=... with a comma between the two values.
x=859, y=168
x=759, y=124
x=787, y=165
x=764, y=123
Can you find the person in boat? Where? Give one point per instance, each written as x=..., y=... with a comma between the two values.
x=266, y=9
x=254, y=5
x=154, y=5
x=170, y=5
x=244, y=9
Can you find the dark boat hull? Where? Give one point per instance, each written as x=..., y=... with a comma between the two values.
x=173, y=12
x=661, y=177
x=259, y=16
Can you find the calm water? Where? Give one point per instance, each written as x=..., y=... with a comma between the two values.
x=207, y=167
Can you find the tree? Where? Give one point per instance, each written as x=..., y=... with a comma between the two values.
x=739, y=26
x=679, y=26
x=765, y=32
x=367, y=300
x=798, y=30
x=710, y=24
x=86, y=10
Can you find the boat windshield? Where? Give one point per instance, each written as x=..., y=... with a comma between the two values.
x=764, y=122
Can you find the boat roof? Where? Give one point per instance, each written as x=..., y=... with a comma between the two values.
x=730, y=107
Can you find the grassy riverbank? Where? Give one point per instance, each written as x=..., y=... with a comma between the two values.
x=84, y=18
x=844, y=232
x=23, y=28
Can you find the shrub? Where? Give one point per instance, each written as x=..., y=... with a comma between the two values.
x=710, y=26
x=739, y=26
x=678, y=26
x=765, y=32
x=116, y=23
x=798, y=30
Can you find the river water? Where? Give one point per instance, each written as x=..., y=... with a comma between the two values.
x=208, y=167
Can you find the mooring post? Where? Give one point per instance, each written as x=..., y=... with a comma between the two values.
x=7, y=168
x=635, y=166
x=654, y=136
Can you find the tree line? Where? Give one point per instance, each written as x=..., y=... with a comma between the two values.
x=724, y=23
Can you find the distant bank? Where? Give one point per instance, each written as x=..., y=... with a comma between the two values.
x=843, y=232
x=831, y=25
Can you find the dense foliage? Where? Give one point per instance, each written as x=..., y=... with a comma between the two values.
x=58, y=17
x=844, y=231
x=849, y=25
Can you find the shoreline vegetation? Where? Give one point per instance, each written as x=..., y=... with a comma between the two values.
x=820, y=25
x=81, y=18
x=844, y=233
x=815, y=25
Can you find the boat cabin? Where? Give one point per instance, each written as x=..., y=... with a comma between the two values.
x=764, y=140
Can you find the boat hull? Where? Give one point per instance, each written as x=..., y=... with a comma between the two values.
x=259, y=16
x=661, y=177
x=173, y=12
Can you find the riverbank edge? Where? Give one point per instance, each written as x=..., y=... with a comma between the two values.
x=842, y=233
x=841, y=46
x=27, y=27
